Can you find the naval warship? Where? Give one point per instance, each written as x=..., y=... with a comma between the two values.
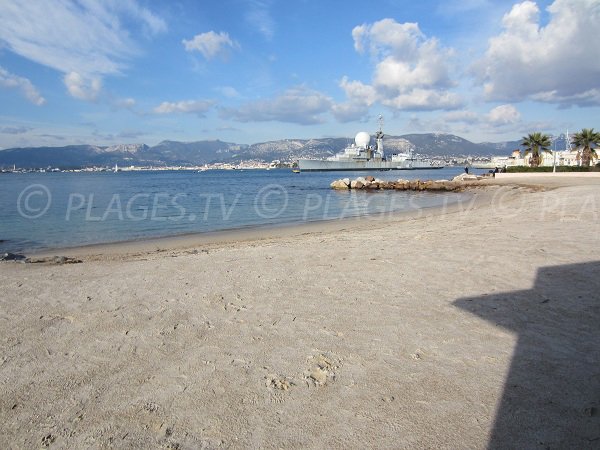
x=360, y=155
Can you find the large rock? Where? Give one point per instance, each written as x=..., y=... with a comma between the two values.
x=370, y=178
x=466, y=177
x=339, y=184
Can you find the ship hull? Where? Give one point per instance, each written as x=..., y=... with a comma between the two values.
x=315, y=165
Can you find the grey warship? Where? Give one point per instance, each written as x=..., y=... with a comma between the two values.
x=360, y=155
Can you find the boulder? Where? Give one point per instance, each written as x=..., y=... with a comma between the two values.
x=359, y=184
x=434, y=186
x=338, y=184
x=370, y=178
x=413, y=185
x=346, y=181
x=466, y=177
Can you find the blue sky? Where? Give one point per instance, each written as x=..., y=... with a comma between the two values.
x=246, y=71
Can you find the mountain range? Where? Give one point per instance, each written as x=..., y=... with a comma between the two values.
x=207, y=152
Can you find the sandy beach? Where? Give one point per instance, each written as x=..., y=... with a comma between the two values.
x=471, y=326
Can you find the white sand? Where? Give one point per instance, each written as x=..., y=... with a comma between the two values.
x=385, y=332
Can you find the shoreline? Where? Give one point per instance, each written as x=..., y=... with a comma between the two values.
x=263, y=232
x=266, y=231
x=480, y=190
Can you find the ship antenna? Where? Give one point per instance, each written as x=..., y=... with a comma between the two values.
x=379, y=137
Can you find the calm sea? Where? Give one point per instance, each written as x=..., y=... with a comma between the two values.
x=56, y=210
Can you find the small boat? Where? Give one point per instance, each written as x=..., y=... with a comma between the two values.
x=295, y=170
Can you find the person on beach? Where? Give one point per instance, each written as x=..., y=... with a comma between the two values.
x=467, y=170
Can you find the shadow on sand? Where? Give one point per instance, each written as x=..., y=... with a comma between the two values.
x=551, y=397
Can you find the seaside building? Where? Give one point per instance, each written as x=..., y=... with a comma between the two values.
x=566, y=157
x=561, y=158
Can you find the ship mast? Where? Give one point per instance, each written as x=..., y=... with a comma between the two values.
x=379, y=136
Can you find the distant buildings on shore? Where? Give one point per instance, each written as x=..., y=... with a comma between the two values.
x=518, y=158
x=242, y=165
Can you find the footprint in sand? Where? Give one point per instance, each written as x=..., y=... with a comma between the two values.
x=278, y=382
x=324, y=369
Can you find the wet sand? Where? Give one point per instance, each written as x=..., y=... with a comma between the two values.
x=470, y=327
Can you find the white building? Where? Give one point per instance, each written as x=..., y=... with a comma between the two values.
x=561, y=157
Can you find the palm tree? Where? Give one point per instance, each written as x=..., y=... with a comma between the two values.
x=535, y=143
x=585, y=140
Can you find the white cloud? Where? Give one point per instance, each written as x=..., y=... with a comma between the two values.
x=503, y=115
x=556, y=63
x=185, y=106
x=259, y=17
x=411, y=71
x=124, y=103
x=350, y=111
x=210, y=44
x=502, y=118
x=27, y=88
x=82, y=88
x=228, y=91
x=296, y=105
x=87, y=37
x=358, y=91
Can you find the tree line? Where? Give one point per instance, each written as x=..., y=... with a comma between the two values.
x=585, y=142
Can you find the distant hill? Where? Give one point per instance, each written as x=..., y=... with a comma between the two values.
x=206, y=152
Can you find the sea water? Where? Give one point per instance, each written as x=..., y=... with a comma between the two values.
x=58, y=209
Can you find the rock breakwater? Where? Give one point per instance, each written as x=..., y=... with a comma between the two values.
x=371, y=183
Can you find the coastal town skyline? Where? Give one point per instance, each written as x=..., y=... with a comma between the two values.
x=249, y=71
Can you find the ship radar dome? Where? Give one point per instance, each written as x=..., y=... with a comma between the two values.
x=362, y=139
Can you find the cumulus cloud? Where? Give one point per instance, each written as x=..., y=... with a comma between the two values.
x=556, y=63
x=502, y=118
x=349, y=111
x=503, y=115
x=411, y=71
x=296, y=105
x=228, y=91
x=27, y=88
x=124, y=103
x=210, y=44
x=85, y=37
x=82, y=88
x=185, y=106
